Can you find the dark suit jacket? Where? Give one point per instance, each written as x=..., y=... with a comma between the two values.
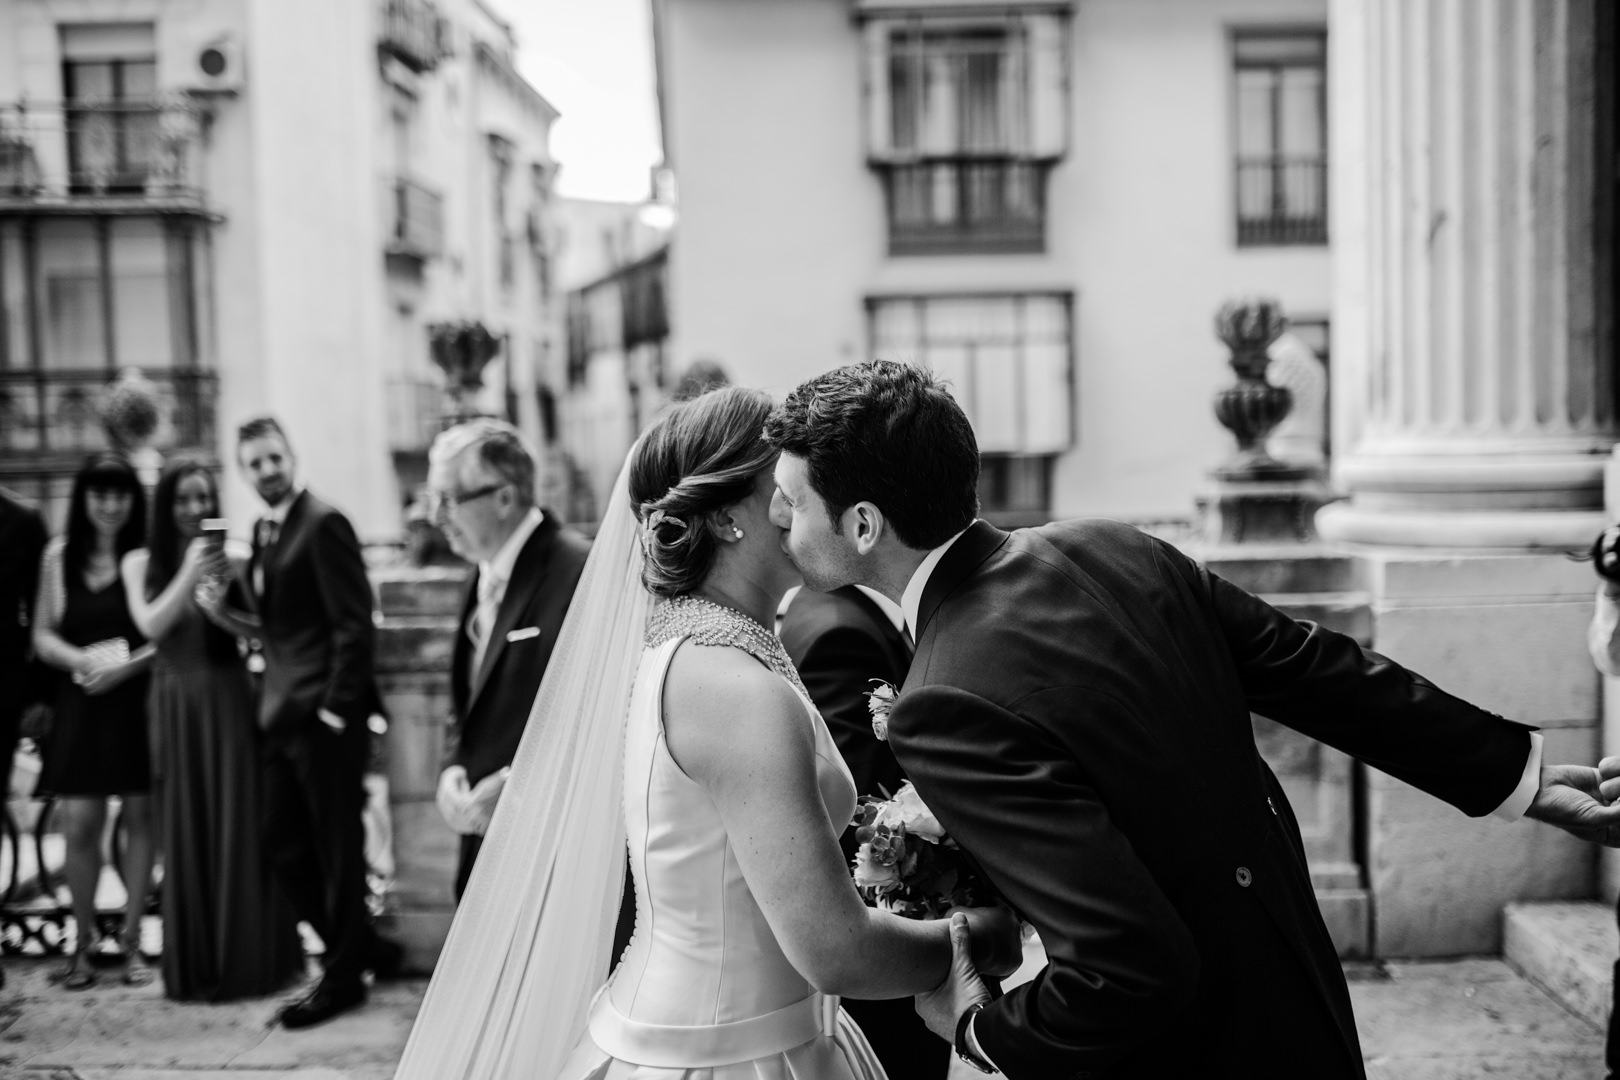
x=318, y=634
x=840, y=641
x=22, y=540
x=492, y=707
x=1078, y=716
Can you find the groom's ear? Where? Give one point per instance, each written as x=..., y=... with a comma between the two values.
x=864, y=527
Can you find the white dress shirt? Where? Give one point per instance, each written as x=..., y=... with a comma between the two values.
x=494, y=574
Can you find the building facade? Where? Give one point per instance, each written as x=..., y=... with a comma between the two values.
x=265, y=207
x=1045, y=202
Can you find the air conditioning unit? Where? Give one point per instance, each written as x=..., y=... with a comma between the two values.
x=217, y=67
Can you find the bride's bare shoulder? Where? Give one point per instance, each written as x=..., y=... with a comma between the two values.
x=713, y=694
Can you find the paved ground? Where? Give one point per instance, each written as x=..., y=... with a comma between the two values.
x=1419, y=1021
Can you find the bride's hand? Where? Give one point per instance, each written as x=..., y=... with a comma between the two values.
x=962, y=989
x=996, y=940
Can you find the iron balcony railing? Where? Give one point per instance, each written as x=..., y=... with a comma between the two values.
x=1282, y=200
x=417, y=228
x=966, y=204
x=413, y=33
x=53, y=412
x=125, y=149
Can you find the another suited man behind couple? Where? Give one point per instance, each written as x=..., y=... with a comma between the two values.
x=840, y=641
x=314, y=604
x=481, y=487
x=1077, y=715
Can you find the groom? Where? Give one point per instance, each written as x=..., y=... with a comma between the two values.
x=1077, y=715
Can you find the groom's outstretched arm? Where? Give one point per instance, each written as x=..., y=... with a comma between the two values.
x=1121, y=962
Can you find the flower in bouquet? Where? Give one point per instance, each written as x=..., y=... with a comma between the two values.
x=906, y=863
x=880, y=703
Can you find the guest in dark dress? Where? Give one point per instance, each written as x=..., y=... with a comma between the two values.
x=227, y=930
x=97, y=747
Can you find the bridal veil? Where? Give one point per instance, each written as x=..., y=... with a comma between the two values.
x=530, y=941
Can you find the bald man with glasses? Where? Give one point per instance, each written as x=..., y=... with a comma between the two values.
x=481, y=490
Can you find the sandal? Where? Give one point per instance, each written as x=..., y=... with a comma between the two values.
x=137, y=972
x=79, y=975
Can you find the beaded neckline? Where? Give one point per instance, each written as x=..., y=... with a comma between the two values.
x=705, y=622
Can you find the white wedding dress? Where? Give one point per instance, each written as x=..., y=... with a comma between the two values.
x=704, y=992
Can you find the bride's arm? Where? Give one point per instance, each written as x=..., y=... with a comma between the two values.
x=743, y=734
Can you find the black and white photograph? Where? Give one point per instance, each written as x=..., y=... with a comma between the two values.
x=809, y=539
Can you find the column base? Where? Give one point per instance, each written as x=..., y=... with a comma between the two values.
x=1469, y=530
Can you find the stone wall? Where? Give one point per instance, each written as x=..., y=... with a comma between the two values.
x=414, y=641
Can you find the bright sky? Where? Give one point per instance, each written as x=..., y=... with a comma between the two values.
x=593, y=60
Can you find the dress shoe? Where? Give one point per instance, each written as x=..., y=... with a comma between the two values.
x=321, y=1004
x=384, y=957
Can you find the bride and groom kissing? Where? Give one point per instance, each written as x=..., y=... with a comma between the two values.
x=1077, y=716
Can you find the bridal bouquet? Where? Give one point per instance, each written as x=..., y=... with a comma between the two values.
x=905, y=861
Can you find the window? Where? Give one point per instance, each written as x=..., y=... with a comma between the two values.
x=965, y=117
x=1008, y=360
x=1281, y=136
x=109, y=81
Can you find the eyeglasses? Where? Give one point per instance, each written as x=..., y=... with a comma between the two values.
x=441, y=501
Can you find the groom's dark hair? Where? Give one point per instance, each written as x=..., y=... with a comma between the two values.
x=889, y=434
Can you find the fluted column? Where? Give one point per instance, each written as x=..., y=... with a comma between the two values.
x=1473, y=233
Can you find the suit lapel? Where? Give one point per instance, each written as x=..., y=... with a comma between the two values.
x=527, y=572
x=276, y=555
x=971, y=549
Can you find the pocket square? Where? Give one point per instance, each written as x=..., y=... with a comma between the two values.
x=523, y=635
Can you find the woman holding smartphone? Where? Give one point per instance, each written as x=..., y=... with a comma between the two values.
x=227, y=932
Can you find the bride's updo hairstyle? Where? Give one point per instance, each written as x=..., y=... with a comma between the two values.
x=700, y=457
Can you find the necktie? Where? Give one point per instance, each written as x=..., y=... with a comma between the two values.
x=911, y=642
x=490, y=589
x=265, y=534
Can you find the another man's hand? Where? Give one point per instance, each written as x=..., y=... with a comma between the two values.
x=482, y=799
x=452, y=797
x=1581, y=800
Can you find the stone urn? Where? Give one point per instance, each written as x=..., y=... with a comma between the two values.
x=461, y=350
x=1252, y=408
x=131, y=414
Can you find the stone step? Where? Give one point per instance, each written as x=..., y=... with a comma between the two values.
x=1272, y=568
x=420, y=591
x=1349, y=613
x=1568, y=948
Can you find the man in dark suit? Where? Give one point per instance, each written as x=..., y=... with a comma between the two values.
x=314, y=604
x=22, y=539
x=481, y=485
x=1077, y=715
x=840, y=641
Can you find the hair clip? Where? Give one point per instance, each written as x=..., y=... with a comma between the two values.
x=662, y=517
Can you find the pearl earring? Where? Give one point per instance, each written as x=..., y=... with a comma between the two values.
x=735, y=531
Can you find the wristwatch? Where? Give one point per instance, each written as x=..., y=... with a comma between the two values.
x=965, y=1052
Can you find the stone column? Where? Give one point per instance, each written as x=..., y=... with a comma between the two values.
x=1474, y=407
x=1472, y=231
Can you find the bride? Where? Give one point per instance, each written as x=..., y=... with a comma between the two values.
x=747, y=923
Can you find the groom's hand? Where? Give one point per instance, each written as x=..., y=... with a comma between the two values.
x=962, y=988
x=1581, y=800
x=996, y=945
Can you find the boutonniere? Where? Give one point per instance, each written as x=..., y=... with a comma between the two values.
x=880, y=703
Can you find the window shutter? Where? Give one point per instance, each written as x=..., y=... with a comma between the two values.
x=1048, y=54
x=879, y=134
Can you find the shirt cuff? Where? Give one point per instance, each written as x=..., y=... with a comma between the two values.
x=973, y=1044
x=1530, y=783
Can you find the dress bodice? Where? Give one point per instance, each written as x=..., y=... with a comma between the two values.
x=184, y=646
x=702, y=953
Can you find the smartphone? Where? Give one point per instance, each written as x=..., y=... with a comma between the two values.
x=214, y=529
